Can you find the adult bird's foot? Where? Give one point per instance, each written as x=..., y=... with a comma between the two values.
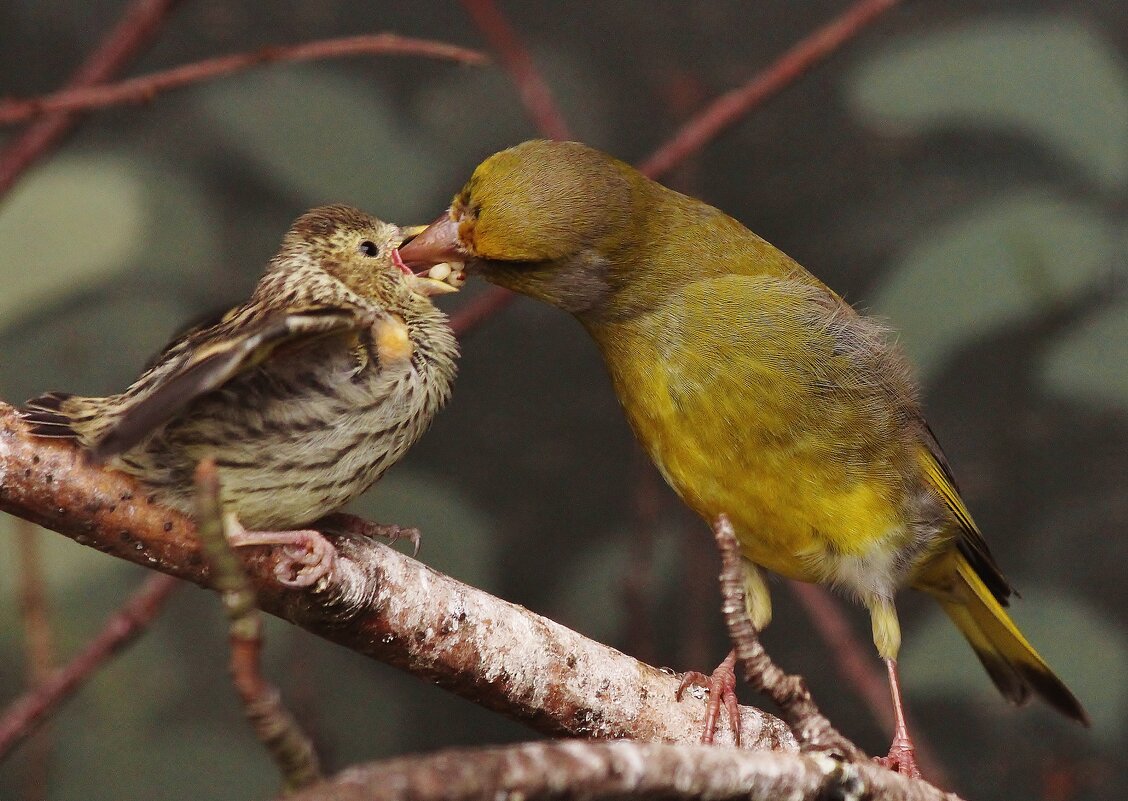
x=351, y=524
x=303, y=558
x=901, y=758
x=721, y=685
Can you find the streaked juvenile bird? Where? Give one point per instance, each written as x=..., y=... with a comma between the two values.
x=304, y=395
x=758, y=392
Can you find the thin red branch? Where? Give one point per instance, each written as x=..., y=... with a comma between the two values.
x=479, y=309
x=39, y=646
x=26, y=712
x=860, y=668
x=531, y=85
x=33, y=604
x=144, y=88
x=731, y=106
x=699, y=130
x=137, y=28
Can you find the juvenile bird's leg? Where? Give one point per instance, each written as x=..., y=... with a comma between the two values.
x=902, y=753
x=306, y=556
x=721, y=684
x=351, y=524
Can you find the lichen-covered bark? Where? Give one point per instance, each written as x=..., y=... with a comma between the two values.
x=595, y=771
x=381, y=603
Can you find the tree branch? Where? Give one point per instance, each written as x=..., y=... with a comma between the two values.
x=534, y=90
x=144, y=88
x=597, y=771
x=379, y=603
x=137, y=28
x=27, y=712
x=732, y=105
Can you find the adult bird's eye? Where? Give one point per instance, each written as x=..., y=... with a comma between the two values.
x=368, y=248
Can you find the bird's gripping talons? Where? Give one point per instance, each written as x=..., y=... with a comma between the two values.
x=721, y=685
x=302, y=558
x=351, y=524
x=901, y=758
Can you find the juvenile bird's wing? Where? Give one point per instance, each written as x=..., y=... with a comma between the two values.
x=971, y=543
x=214, y=358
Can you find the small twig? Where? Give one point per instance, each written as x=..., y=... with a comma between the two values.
x=618, y=770
x=789, y=692
x=531, y=85
x=27, y=712
x=40, y=645
x=144, y=88
x=137, y=28
x=731, y=106
x=284, y=739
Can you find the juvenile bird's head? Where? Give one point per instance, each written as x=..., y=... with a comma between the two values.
x=547, y=219
x=360, y=251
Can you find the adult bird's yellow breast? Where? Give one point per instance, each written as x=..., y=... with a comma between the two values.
x=741, y=405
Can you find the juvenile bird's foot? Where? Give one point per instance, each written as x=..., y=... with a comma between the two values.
x=722, y=689
x=351, y=524
x=304, y=557
x=901, y=758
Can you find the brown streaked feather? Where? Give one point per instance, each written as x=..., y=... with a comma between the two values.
x=43, y=414
x=213, y=366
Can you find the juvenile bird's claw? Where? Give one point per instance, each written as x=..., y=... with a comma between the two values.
x=721, y=685
x=302, y=559
x=351, y=524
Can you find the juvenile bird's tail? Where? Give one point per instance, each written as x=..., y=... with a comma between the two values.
x=66, y=416
x=1013, y=664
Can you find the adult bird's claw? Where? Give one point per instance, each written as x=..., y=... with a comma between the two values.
x=721, y=685
x=901, y=758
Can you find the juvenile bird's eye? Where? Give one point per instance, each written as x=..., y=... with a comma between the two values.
x=368, y=248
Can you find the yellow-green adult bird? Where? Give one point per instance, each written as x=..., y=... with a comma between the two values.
x=304, y=395
x=758, y=392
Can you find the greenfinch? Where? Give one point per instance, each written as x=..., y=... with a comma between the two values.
x=304, y=395
x=758, y=392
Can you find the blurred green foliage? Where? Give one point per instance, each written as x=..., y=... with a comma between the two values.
x=963, y=175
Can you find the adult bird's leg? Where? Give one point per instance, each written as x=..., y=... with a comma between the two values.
x=305, y=555
x=902, y=754
x=721, y=684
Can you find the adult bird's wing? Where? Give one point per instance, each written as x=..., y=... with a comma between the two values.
x=213, y=363
x=971, y=543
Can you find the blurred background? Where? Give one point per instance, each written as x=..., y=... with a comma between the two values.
x=961, y=168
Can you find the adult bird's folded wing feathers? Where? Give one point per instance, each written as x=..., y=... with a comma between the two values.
x=971, y=542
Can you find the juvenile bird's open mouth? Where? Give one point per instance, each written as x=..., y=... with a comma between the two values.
x=438, y=279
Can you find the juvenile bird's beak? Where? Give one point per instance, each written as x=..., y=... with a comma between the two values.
x=437, y=244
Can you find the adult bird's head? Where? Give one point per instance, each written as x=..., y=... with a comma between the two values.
x=547, y=219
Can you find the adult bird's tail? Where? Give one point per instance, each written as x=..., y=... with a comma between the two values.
x=1013, y=664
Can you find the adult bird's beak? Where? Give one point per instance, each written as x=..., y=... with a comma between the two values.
x=437, y=244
